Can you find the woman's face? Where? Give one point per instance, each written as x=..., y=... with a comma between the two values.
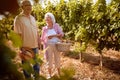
x=48, y=20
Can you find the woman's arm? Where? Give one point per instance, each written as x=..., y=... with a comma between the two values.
x=59, y=30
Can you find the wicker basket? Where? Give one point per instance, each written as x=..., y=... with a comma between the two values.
x=27, y=54
x=63, y=47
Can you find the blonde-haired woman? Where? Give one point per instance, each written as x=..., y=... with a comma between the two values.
x=51, y=34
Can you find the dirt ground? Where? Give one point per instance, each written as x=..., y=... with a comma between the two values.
x=89, y=68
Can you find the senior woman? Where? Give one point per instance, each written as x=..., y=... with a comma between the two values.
x=51, y=34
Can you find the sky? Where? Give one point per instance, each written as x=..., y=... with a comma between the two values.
x=107, y=1
x=41, y=1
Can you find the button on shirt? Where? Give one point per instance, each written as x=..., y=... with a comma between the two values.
x=28, y=30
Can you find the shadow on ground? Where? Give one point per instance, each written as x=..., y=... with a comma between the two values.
x=110, y=63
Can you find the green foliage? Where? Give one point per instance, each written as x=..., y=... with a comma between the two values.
x=8, y=69
x=6, y=24
x=28, y=66
x=38, y=12
x=87, y=22
x=15, y=38
x=81, y=35
x=67, y=74
x=100, y=6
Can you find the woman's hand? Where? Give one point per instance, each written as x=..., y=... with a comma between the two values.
x=50, y=37
x=57, y=35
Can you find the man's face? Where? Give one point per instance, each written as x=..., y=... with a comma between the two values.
x=27, y=7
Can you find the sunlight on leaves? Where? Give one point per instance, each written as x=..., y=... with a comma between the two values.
x=15, y=38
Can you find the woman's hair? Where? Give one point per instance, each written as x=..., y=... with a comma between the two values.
x=51, y=16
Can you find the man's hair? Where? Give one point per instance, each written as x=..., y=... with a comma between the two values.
x=51, y=16
x=23, y=1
